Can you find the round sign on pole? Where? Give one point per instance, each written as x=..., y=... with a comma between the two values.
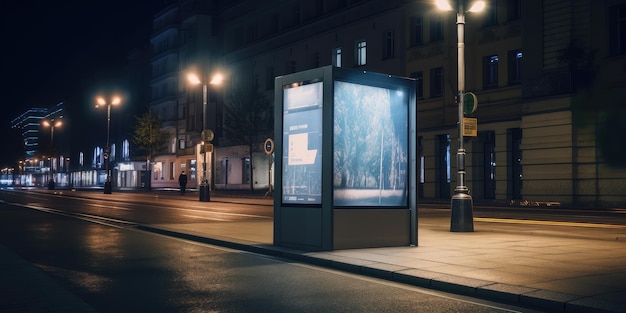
x=268, y=146
x=470, y=103
x=207, y=135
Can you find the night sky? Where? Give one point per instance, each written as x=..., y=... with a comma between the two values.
x=50, y=48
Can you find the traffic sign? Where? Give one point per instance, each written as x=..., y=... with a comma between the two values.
x=206, y=148
x=268, y=146
x=207, y=135
x=470, y=127
x=470, y=103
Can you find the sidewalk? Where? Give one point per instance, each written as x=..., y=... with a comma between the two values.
x=536, y=270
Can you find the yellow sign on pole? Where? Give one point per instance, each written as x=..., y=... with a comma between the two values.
x=206, y=148
x=470, y=127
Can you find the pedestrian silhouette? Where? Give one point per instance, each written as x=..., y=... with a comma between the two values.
x=182, y=181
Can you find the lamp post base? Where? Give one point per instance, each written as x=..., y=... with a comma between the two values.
x=204, y=194
x=107, y=187
x=51, y=185
x=462, y=218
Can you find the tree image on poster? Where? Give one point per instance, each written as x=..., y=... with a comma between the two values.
x=370, y=160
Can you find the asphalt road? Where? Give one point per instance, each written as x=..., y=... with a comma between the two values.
x=114, y=267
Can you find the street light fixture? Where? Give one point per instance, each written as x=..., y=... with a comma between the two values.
x=52, y=124
x=207, y=134
x=462, y=219
x=100, y=101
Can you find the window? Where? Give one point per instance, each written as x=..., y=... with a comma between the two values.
x=125, y=150
x=297, y=14
x=171, y=170
x=442, y=165
x=419, y=84
x=490, y=71
x=181, y=142
x=513, y=9
x=388, y=47
x=274, y=24
x=319, y=7
x=617, y=30
x=420, y=149
x=269, y=78
x=252, y=32
x=417, y=31
x=436, y=28
x=98, y=158
x=337, y=57
x=436, y=82
x=192, y=170
x=245, y=173
x=191, y=116
x=491, y=14
x=291, y=66
x=515, y=67
x=182, y=111
x=157, y=169
x=361, y=53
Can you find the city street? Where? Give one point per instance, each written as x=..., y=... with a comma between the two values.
x=550, y=259
x=91, y=248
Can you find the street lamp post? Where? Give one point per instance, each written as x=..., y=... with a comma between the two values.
x=52, y=124
x=114, y=101
x=207, y=135
x=462, y=219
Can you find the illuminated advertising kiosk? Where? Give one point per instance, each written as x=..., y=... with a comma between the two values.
x=345, y=160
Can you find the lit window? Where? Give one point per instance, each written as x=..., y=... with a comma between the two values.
x=490, y=71
x=361, y=53
x=337, y=57
x=125, y=150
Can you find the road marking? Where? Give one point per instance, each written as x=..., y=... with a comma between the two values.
x=221, y=213
x=207, y=218
x=110, y=207
x=552, y=223
x=103, y=220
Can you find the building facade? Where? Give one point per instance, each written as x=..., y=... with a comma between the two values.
x=538, y=136
x=544, y=73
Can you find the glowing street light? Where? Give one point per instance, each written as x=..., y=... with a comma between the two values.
x=100, y=101
x=462, y=219
x=52, y=123
x=207, y=134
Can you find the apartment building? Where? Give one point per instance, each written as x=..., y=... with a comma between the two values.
x=545, y=74
x=531, y=65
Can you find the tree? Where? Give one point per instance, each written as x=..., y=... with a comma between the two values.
x=149, y=138
x=247, y=114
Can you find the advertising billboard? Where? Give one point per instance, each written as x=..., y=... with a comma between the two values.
x=302, y=138
x=370, y=157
